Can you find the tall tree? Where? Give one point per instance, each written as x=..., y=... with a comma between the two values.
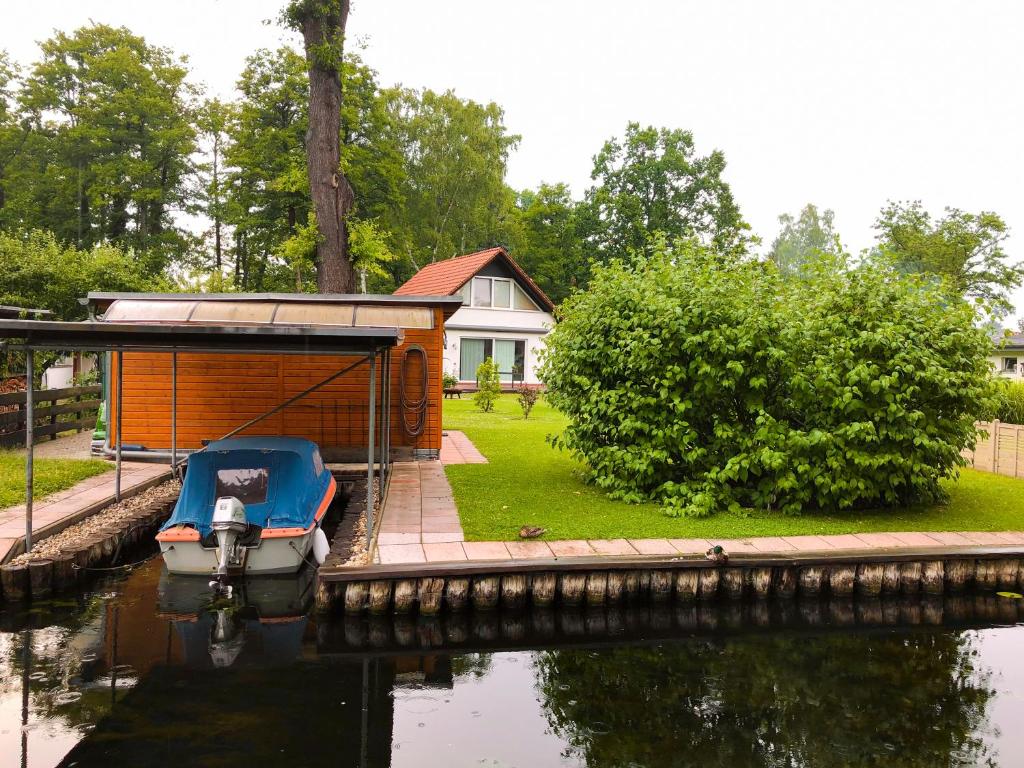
x=322, y=24
x=965, y=249
x=212, y=124
x=110, y=134
x=804, y=239
x=9, y=130
x=454, y=196
x=553, y=252
x=653, y=180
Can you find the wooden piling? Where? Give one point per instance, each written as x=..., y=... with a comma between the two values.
x=597, y=588
x=733, y=582
x=431, y=592
x=513, y=590
x=869, y=579
x=15, y=582
x=959, y=574
x=380, y=597
x=1006, y=573
x=40, y=576
x=661, y=586
x=405, y=595
x=543, y=589
x=355, y=596
x=890, y=578
x=64, y=573
x=786, y=582
x=910, y=578
x=456, y=593
x=933, y=577
x=615, y=586
x=571, y=587
x=686, y=584
x=985, y=576
x=841, y=579
x=485, y=592
x=761, y=582
x=812, y=579
x=707, y=583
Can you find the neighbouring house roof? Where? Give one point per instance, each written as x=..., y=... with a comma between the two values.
x=1012, y=342
x=445, y=278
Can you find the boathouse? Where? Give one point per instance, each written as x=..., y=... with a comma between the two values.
x=216, y=393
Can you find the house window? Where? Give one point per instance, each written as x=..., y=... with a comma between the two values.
x=497, y=293
x=1010, y=364
x=508, y=354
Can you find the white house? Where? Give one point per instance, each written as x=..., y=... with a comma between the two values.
x=1008, y=357
x=504, y=315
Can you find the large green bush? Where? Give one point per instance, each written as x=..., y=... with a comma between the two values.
x=707, y=383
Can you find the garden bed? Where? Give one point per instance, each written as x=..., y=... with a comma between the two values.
x=526, y=482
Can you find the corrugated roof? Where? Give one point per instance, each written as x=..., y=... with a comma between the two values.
x=445, y=278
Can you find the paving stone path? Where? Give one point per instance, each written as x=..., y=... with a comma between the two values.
x=420, y=524
x=69, y=504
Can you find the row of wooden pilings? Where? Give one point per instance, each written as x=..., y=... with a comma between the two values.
x=432, y=593
x=42, y=577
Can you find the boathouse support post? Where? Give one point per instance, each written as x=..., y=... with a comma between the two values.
x=370, y=453
x=118, y=432
x=174, y=413
x=30, y=418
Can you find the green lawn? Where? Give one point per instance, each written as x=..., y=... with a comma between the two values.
x=51, y=475
x=528, y=482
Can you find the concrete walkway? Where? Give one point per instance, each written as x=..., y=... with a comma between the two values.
x=57, y=511
x=420, y=524
x=456, y=448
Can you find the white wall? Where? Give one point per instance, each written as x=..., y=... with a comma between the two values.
x=998, y=366
x=483, y=323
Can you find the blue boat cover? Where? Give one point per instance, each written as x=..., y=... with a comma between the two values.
x=285, y=482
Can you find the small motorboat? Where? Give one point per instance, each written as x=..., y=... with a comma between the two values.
x=249, y=505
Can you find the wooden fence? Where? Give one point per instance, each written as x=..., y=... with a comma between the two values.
x=1000, y=449
x=49, y=404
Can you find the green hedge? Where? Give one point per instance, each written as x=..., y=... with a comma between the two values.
x=706, y=383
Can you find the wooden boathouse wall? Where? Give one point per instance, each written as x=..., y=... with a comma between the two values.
x=217, y=393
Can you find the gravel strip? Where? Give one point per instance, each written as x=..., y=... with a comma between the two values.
x=115, y=514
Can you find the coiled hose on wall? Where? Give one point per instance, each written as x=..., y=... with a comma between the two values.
x=414, y=409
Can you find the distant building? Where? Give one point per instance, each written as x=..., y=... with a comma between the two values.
x=1008, y=357
x=504, y=314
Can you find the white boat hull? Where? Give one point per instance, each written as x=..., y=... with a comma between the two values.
x=280, y=554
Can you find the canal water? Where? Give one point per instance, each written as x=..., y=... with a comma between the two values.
x=145, y=670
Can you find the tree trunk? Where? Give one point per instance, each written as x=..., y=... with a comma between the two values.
x=322, y=34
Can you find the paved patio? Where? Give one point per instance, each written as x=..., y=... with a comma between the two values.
x=420, y=524
x=70, y=505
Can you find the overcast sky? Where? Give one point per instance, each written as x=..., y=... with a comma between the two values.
x=844, y=105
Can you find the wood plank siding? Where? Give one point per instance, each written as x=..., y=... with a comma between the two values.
x=217, y=393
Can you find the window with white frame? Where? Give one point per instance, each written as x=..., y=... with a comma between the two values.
x=508, y=354
x=1010, y=364
x=496, y=293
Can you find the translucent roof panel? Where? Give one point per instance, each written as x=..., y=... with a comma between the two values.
x=146, y=311
x=368, y=316
x=233, y=312
x=314, y=314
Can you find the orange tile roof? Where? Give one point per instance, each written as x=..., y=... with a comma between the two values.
x=445, y=278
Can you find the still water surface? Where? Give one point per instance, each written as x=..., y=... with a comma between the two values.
x=143, y=670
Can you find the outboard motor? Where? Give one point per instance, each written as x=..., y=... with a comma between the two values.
x=229, y=522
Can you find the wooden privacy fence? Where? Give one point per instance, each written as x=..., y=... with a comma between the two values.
x=49, y=404
x=1000, y=449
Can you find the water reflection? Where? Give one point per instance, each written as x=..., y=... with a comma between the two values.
x=152, y=670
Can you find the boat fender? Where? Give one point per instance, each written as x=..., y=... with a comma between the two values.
x=321, y=547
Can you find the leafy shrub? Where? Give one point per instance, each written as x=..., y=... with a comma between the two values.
x=1009, y=405
x=707, y=383
x=488, y=382
x=527, y=397
x=449, y=381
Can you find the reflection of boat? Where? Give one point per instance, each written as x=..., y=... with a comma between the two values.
x=249, y=505
x=267, y=614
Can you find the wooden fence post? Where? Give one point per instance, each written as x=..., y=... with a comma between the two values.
x=993, y=431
